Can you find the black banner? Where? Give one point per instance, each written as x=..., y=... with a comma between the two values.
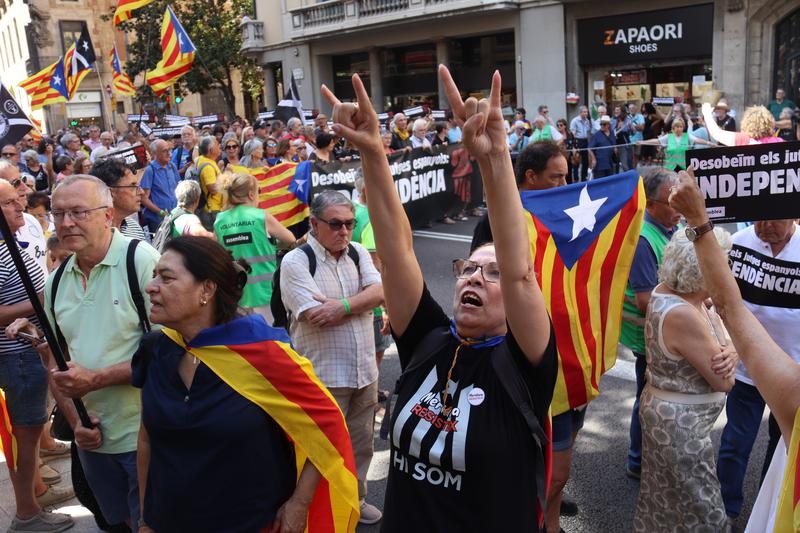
x=747, y=183
x=764, y=280
x=135, y=156
x=641, y=37
x=423, y=179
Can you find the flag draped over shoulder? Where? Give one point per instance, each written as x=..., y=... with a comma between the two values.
x=283, y=191
x=787, y=517
x=583, y=237
x=48, y=86
x=257, y=361
x=7, y=441
x=125, y=9
x=178, y=53
x=122, y=82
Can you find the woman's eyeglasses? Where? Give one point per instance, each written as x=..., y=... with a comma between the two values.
x=232, y=147
x=464, y=268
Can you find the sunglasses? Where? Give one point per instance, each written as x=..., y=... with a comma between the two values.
x=8, y=154
x=336, y=225
x=231, y=146
x=17, y=182
x=464, y=268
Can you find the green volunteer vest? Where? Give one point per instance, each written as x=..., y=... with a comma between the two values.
x=543, y=135
x=241, y=230
x=675, y=154
x=632, y=333
x=362, y=219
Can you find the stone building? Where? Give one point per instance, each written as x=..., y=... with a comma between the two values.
x=612, y=51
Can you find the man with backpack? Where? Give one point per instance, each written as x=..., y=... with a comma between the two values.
x=208, y=171
x=96, y=304
x=331, y=321
x=158, y=185
x=182, y=155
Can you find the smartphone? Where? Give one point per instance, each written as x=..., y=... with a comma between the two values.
x=33, y=339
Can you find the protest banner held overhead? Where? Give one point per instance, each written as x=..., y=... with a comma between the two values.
x=746, y=183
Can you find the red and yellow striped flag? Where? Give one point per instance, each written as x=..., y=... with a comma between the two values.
x=7, y=441
x=257, y=361
x=178, y=54
x=274, y=192
x=125, y=9
x=787, y=517
x=48, y=86
x=583, y=237
x=36, y=132
x=122, y=82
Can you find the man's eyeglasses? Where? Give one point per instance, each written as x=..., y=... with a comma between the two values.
x=8, y=154
x=336, y=225
x=74, y=214
x=464, y=268
x=136, y=187
x=17, y=182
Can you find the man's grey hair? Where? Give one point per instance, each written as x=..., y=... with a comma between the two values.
x=292, y=122
x=103, y=192
x=654, y=178
x=154, y=146
x=247, y=151
x=68, y=138
x=187, y=128
x=206, y=143
x=187, y=192
x=329, y=198
x=680, y=269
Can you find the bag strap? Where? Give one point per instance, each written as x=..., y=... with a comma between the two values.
x=312, y=258
x=53, y=290
x=431, y=343
x=510, y=377
x=133, y=285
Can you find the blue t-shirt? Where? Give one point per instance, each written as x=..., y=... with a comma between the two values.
x=454, y=135
x=161, y=182
x=644, y=269
x=603, y=155
x=214, y=455
x=180, y=156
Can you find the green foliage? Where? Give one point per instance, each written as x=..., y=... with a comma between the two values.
x=213, y=26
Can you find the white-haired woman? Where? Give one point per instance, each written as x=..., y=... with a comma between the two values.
x=184, y=221
x=684, y=395
x=252, y=156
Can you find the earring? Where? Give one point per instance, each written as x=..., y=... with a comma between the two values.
x=203, y=301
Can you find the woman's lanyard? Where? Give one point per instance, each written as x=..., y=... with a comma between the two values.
x=477, y=344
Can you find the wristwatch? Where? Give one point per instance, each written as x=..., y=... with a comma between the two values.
x=694, y=233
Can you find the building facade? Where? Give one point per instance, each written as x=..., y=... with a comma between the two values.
x=614, y=51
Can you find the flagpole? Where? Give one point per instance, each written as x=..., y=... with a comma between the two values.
x=33, y=296
x=144, y=82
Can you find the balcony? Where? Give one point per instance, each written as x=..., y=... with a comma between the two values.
x=252, y=37
x=336, y=16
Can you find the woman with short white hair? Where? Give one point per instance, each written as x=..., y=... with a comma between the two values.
x=689, y=369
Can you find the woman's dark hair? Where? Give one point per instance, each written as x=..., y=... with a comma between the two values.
x=219, y=129
x=439, y=127
x=283, y=147
x=649, y=108
x=207, y=260
x=324, y=139
x=39, y=198
x=535, y=157
x=61, y=163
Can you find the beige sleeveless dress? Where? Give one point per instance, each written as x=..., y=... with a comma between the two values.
x=679, y=489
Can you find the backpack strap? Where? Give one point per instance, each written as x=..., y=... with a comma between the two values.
x=508, y=373
x=312, y=258
x=133, y=285
x=53, y=290
x=431, y=343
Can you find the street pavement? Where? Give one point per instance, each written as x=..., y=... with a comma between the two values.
x=606, y=497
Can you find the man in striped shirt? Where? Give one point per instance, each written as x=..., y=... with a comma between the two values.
x=23, y=378
x=127, y=195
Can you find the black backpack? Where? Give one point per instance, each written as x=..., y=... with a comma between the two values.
x=281, y=317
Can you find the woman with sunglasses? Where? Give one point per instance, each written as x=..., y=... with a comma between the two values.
x=463, y=456
x=230, y=150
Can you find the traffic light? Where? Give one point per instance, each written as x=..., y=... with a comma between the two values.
x=178, y=99
x=73, y=122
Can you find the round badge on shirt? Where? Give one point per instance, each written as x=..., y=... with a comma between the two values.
x=476, y=396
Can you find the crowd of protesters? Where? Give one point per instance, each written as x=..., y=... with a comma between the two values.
x=81, y=216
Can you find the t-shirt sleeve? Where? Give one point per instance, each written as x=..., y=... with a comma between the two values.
x=644, y=269
x=429, y=315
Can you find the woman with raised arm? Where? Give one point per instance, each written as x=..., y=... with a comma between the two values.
x=775, y=374
x=464, y=458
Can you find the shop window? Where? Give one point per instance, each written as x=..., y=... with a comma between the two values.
x=70, y=32
x=409, y=76
x=344, y=66
x=472, y=57
x=787, y=57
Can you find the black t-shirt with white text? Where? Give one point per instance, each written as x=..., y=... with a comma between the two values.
x=474, y=469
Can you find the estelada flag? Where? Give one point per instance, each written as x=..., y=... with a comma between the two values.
x=257, y=361
x=178, y=53
x=125, y=9
x=7, y=441
x=122, y=82
x=583, y=237
x=278, y=190
x=787, y=517
x=48, y=86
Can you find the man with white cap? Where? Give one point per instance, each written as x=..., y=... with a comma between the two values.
x=724, y=120
x=601, y=150
x=518, y=140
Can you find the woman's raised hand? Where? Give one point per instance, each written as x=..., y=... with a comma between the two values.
x=484, y=132
x=357, y=123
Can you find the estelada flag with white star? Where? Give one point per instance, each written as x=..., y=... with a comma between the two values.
x=178, y=53
x=583, y=237
x=283, y=191
x=79, y=61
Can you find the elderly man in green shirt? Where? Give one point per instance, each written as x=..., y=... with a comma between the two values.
x=99, y=321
